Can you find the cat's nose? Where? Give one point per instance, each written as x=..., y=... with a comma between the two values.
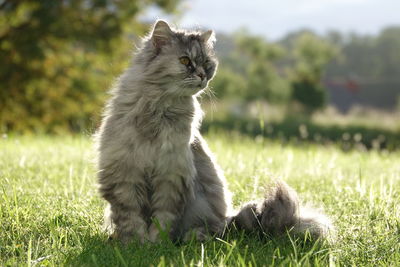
x=201, y=75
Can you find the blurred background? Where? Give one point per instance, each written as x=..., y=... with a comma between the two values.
x=296, y=71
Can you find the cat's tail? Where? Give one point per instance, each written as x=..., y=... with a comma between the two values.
x=279, y=212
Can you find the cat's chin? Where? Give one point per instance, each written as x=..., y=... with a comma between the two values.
x=193, y=90
x=198, y=89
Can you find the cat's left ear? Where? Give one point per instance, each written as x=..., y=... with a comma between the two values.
x=208, y=37
x=162, y=34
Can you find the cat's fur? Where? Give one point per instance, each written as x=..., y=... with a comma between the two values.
x=155, y=169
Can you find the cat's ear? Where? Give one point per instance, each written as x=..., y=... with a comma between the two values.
x=161, y=34
x=208, y=37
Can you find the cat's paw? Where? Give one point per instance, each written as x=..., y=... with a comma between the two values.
x=159, y=230
x=154, y=233
x=126, y=237
x=199, y=234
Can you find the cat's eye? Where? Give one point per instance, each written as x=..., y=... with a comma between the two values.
x=207, y=64
x=184, y=60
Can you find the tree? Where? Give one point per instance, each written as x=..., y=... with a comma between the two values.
x=311, y=54
x=228, y=84
x=58, y=58
x=264, y=80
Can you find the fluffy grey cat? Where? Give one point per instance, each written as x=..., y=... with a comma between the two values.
x=155, y=169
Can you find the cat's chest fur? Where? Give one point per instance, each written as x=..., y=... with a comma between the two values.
x=164, y=134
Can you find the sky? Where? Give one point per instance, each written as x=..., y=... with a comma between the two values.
x=274, y=19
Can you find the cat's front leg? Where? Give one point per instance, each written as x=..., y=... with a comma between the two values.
x=124, y=219
x=170, y=193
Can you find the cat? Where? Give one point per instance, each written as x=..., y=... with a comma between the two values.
x=154, y=168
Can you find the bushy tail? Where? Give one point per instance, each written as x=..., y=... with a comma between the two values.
x=279, y=212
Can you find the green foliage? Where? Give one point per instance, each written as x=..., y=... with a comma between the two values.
x=372, y=63
x=249, y=71
x=374, y=57
x=228, y=84
x=311, y=55
x=51, y=213
x=302, y=130
x=259, y=70
x=264, y=80
x=59, y=57
x=311, y=95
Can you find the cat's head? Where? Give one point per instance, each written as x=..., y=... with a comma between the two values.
x=184, y=61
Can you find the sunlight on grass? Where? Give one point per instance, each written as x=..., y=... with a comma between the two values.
x=51, y=213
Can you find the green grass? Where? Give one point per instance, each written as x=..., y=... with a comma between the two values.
x=51, y=214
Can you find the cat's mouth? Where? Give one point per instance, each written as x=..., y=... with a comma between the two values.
x=196, y=85
x=202, y=84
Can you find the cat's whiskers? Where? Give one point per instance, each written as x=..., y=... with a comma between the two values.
x=211, y=97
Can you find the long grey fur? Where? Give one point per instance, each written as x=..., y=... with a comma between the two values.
x=154, y=168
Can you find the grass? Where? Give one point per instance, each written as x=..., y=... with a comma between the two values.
x=361, y=128
x=51, y=214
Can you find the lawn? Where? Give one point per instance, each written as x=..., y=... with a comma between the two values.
x=51, y=213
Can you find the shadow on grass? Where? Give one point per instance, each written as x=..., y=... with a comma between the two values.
x=235, y=250
x=298, y=130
